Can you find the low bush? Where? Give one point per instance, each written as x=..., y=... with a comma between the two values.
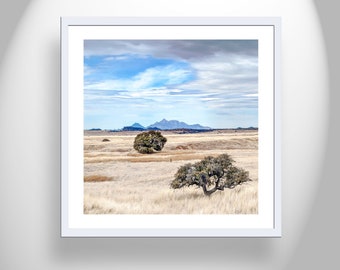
x=149, y=141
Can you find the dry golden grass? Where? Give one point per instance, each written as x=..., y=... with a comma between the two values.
x=118, y=200
x=142, y=182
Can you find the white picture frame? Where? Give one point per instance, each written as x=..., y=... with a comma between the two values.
x=74, y=223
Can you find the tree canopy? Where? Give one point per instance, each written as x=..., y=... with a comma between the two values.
x=216, y=173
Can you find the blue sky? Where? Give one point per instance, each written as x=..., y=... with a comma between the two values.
x=209, y=82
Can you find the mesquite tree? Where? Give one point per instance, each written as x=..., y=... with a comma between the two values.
x=149, y=141
x=216, y=173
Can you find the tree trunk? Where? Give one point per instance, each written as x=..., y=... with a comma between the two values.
x=211, y=191
x=208, y=192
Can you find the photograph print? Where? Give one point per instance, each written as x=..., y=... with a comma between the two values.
x=170, y=126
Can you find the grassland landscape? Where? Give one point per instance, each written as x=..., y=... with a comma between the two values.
x=119, y=180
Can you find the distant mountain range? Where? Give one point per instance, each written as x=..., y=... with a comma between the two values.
x=165, y=125
x=174, y=124
x=137, y=125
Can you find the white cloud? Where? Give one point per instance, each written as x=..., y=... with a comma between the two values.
x=161, y=75
x=209, y=99
x=87, y=70
x=212, y=79
x=178, y=49
x=151, y=77
x=224, y=76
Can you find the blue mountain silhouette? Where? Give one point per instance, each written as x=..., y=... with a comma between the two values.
x=175, y=124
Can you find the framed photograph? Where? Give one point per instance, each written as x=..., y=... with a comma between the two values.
x=170, y=127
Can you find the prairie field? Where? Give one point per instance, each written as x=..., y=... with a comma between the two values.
x=119, y=180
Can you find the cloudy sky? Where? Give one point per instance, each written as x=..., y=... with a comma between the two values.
x=209, y=82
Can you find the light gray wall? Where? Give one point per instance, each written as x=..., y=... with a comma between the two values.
x=29, y=143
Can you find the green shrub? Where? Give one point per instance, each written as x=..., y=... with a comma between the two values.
x=149, y=141
x=218, y=173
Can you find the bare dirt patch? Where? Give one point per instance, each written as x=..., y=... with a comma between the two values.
x=97, y=178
